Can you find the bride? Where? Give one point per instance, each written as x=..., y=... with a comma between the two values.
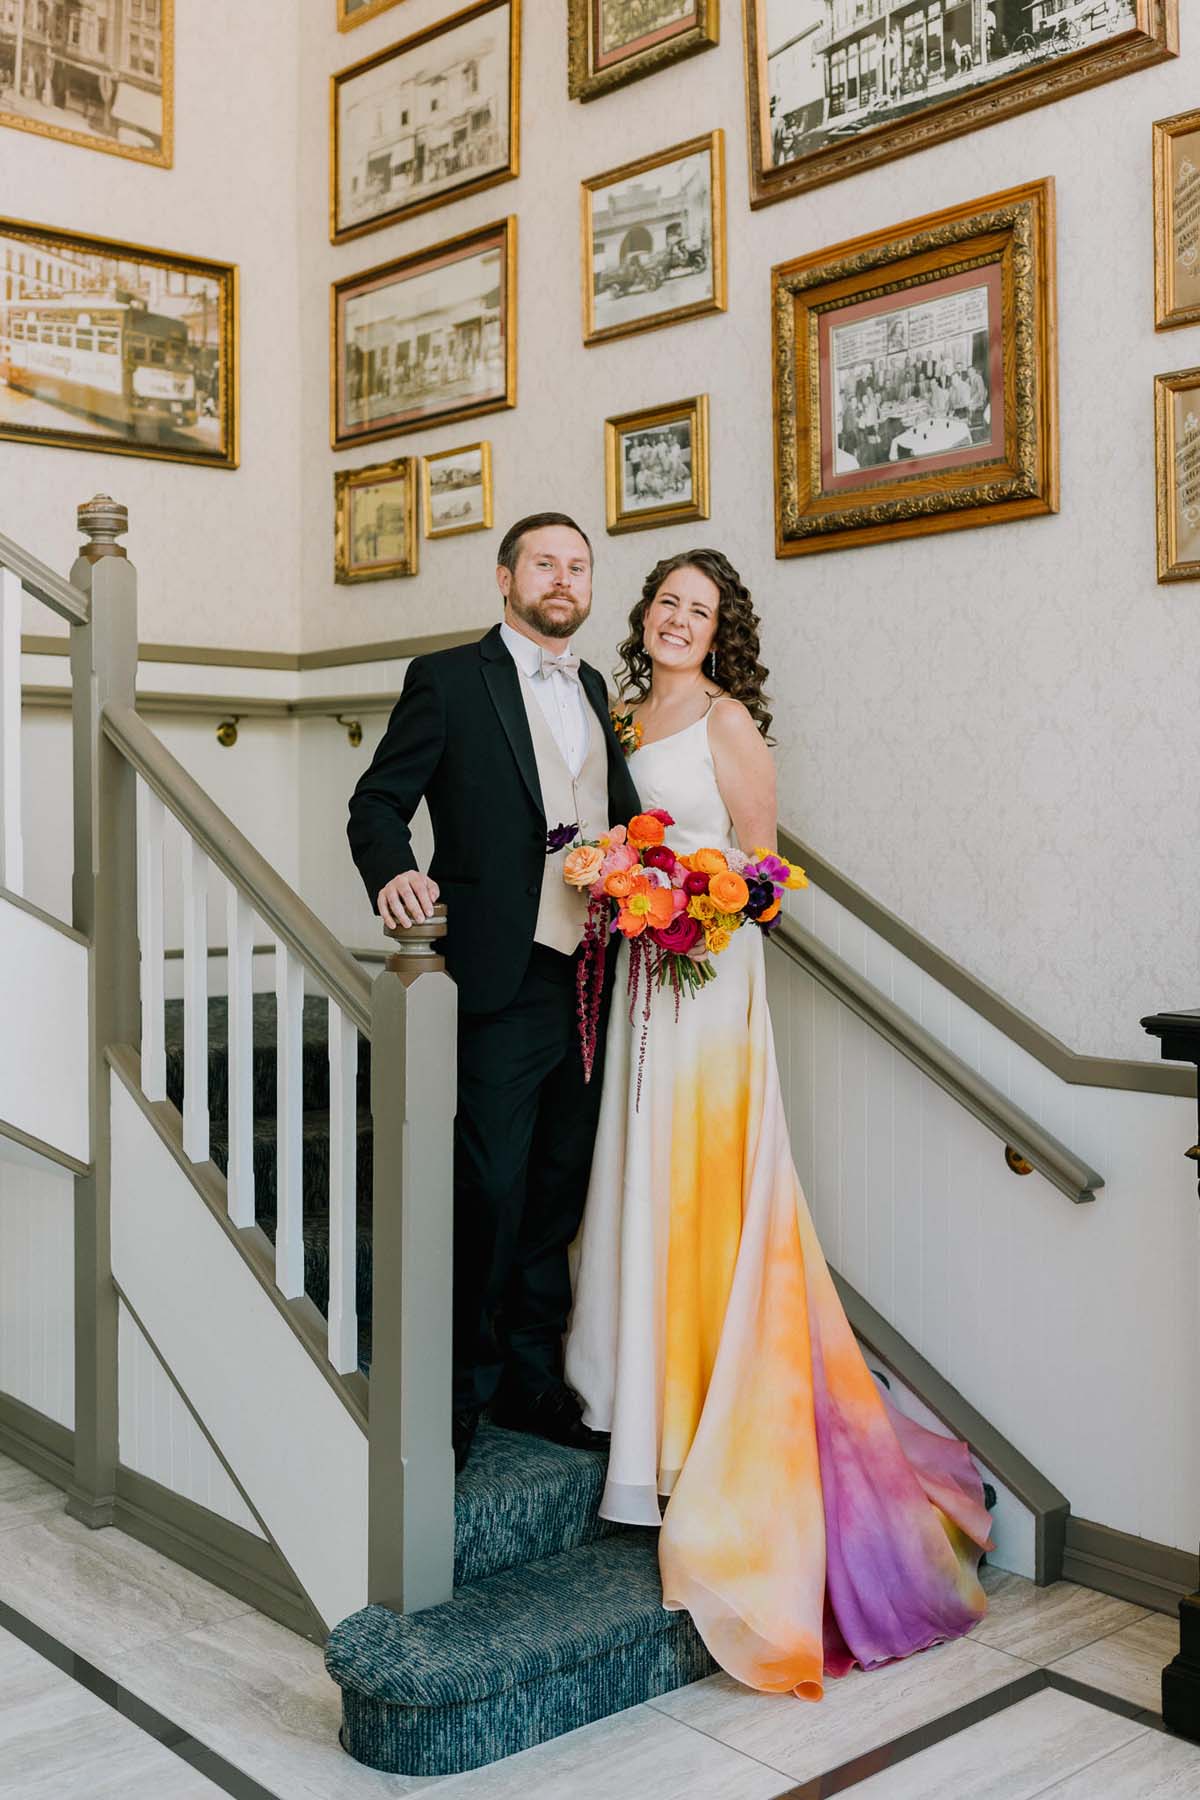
x=808, y=1526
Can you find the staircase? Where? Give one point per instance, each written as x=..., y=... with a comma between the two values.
x=556, y=1618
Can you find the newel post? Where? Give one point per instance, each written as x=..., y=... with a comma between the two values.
x=410, y=1533
x=104, y=904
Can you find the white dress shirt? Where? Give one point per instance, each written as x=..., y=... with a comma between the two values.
x=563, y=701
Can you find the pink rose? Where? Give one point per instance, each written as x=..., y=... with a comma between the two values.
x=679, y=936
x=694, y=883
x=621, y=856
x=659, y=858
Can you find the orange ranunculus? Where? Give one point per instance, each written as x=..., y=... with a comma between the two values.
x=619, y=883
x=728, y=891
x=647, y=905
x=771, y=911
x=708, y=862
x=582, y=865
x=645, y=832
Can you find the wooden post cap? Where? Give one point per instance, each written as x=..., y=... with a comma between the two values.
x=102, y=520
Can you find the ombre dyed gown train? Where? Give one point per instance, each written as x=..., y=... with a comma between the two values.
x=810, y=1526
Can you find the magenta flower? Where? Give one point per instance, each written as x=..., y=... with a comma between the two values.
x=679, y=936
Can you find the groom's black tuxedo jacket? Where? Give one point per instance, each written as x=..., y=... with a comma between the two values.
x=459, y=738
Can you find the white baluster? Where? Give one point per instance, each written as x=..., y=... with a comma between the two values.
x=289, y=1195
x=195, y=1001
x=240, y=1174
x=12, y=874
x=343, y=1190
x=150, y=940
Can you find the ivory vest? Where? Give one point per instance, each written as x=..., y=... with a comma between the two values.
x=584, y=798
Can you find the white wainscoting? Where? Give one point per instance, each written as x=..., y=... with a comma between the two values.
x=1073, y=1329
x=43, y=1037
x=160, y=1438
x=37, y=1283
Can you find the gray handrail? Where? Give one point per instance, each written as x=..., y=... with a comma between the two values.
x=275, y=902
x=1076, y=1179
x=61, y=596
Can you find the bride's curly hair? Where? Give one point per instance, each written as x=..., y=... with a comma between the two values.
x=735, y=645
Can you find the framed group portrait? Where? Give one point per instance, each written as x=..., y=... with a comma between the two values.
x=610, y=42
x=653, y=250
x=1177, y=417
x=656, y=466
x=1177, y=221
x=916, y=377
x=375, y=521
x=356, y=12
x=457, y=490
x=98, y=75
x=836, y=86
x=426, y=121
x=427, y=339
x=111, y=346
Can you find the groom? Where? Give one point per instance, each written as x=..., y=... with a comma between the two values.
x=506, y=739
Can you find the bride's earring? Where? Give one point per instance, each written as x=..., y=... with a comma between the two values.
x=712, y=665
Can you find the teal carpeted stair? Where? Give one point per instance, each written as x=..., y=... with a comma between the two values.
x=557, y=1618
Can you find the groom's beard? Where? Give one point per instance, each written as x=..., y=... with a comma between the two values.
x=551, y=624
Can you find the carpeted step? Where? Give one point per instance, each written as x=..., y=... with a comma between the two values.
x=315, y=1057
x=511, y=1660
x=520, y=1500
x=314, y=1162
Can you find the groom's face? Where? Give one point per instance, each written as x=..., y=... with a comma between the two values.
x=550, y=590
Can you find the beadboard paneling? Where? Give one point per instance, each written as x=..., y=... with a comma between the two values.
x=37, y=1296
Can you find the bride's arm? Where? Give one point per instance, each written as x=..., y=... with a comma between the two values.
x=745, y=774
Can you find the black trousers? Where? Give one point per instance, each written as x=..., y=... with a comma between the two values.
x=523, y=1142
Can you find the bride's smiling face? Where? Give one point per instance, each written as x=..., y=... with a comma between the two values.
x=681, y=620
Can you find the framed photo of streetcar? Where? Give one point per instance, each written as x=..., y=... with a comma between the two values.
x=654, y=240
x=915, y=370
x=836, y=86
x=98, y=75
x=429, y=339
x=656, y=466
x=375, y=521
x=610, y=42
x=457, y=490
x=1177, y=436
x=1177, y=221
x=426, y=121
x=108, y=346
x=356, y=12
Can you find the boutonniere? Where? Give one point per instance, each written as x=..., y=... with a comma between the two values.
x=628, y=730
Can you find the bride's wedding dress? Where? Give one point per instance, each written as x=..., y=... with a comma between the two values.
x=809, y=1526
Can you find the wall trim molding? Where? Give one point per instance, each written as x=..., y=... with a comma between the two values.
x=214, y=656
x=40, y=1147
x=1132, y=1568
x=46, y=918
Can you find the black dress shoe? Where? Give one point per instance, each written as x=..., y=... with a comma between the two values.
x=463, y=1427
x=556, y=1413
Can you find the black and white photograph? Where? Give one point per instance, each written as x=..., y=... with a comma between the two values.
x=654, y=241
x=426, y=339
x=91, y=72
x=428, y=120
x=612, y=42
x=114, y=347
x=356, y=12
x=375, y=521
x=657, y=466
x=458, y=490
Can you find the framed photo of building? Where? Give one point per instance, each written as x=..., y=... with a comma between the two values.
x=108, y=346
x=916, y=386
x=1177, y=221
x=426, y=121
x=99, y=74
x=656, y=466
x=375, y=521
x=836, y=86
x=1177, y=412
x=429, y=339
x=457, y=490
x=654, y=241
x=610, y=42
x=356, y=12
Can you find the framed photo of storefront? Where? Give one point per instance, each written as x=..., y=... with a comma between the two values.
x=1177, y=435
x=101, y=76
x=457, y=490
x=916, y=384
x=656, y=466
x=429, y=339
x=1177, y=221
x=426, y=121
x=653, y=250
x=835, y=86
x=375, y=521
x=611, y=42
x=109, y=346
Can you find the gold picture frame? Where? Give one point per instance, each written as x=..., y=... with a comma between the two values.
x=656, y=466
x=103, y=79
x=916, y=377
x=353, y=13
x=592, y=70
x=117, y=347
x=1177, y=464
x=913, y=90
x=425, y=162
x=449, y=505
x=375, y=528
x=677, y=238
x=1177, y=221
x=386, y=377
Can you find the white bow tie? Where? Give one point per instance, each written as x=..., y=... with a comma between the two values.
x=567, y=664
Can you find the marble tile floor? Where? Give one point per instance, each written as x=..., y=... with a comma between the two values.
x=1053, y=1695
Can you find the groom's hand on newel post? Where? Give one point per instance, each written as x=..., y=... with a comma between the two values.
x=408, y=899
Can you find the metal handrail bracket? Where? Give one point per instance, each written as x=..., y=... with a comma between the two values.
x=60, y=595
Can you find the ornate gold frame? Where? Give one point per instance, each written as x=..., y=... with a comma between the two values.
x=1014, y=230
x=485, y=464
x=586, y=82
x=694, y=410
x=343, y=234
x=223, y=273
x=1154, y=38
x=1167, y=314
x=402, y=468
x=371, y=11
x=714, y=143
x=158, y=159
x=505, y=231
x=1165, y=389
